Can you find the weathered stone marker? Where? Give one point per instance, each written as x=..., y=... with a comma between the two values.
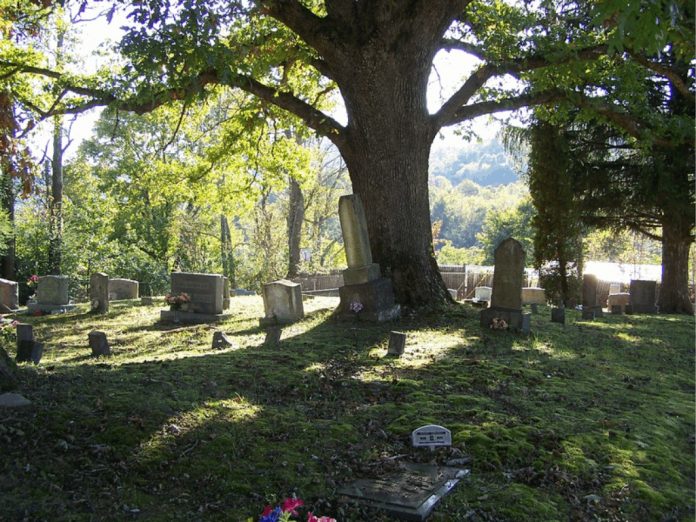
x=397, y=343
x=558, y=315
x=9, y=295
x=205, y=292
x=483, y=293
x=220, y=340
x=362, y=279
x=617, y=310
x=226, y=299
x=590, y=304
x=508, y=275
x=52, y=295
x=98, y=343
x=27, y=348
x=643, y=296
x=120, y=288
x=146, y=300
x=99, y=292
x=282, y=302
x=533, y=295
x=621, y=300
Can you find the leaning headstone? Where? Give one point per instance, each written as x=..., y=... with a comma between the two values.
x=98, y=343
x=205, y=298
x=364, y=289
x=220, y=340
x=558, y=315
x=397, y=343
x=99, y=292
x=282, y=302
x=590, y=303
x=120, y=289
x=453, y=293
x=643, y=296
x=9, y=294
x=506, y=298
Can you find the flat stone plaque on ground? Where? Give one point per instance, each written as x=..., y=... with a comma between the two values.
x=409, y=494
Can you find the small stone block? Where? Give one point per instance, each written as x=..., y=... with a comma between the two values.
x=526, y=326
x=558, y=315
x=29, y=351
x=397, y=343
x=98, y=343
x=616, y=310
x=535, y=308
x=273, y=336
x=25, y=332
x=628, y=309
x=220, y=340
x=146, y=301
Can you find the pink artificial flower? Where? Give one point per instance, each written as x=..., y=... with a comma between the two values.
x=267, y=511
x=312, y=518
x=291, y=504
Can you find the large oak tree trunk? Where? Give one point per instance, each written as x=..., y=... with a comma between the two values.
x=7, y=261
x=389, y=134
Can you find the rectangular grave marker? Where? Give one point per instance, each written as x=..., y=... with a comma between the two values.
x=431, y=436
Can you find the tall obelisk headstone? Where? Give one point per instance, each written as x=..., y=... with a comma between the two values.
x=508, y=278
x=365, y=293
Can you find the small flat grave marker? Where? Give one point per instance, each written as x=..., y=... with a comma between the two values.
x=410, y=494
x=431, y=436
x=98, y=343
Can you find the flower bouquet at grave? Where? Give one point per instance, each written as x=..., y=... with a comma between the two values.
x=356, y=307
x=286, y=510
x=176, y=301
x=33, y=281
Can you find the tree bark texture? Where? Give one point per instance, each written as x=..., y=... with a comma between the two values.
x=55, y=241
x=7, y=262
x=227, y=252
x=674, y=290
x=386, y=149
x=295, y=219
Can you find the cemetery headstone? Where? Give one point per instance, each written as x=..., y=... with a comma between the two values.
x=363, y=285
x=533, y=295
x=617, y=310
x=204, y=298
x=9, y=294
x=98, y=343
x=27, y=348
x=558, y=315
x=13, y=400
x=614, y=288
x=99, y=292
x=621, y=300
x=506, y=297
x=146, y=300
x=282, y=302
x=483, y=293
x=120, y=288
x=590, y=302
x=52, y=295
x=397, y=343
x=431, y=436
x=643, y=296
x=8, y=372
x=220, y=340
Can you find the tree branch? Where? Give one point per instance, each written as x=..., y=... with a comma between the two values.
x=474, y=110
x=664, y=71
x=452, y=107
x=451, y=44
x=301, y=21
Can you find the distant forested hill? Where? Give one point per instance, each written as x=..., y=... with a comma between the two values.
x=485, y=163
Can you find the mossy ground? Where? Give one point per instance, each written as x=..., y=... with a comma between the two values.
x=587, y=421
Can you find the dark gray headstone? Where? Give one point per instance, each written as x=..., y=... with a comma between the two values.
x=220, y=340
x=146, y=300
x=397, y=343
x=98, y=343
x=535, y=308
x=205, y=291
x=9, y=294
x=588, y=314
x=558, y=315
x=99, y=292
x=643, y=296
x=589, y=291
x=526, y=327
x=617, y=310
x=29, y=351
x=508, y=278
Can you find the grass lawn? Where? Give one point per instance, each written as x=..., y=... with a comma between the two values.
x=587, y=421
